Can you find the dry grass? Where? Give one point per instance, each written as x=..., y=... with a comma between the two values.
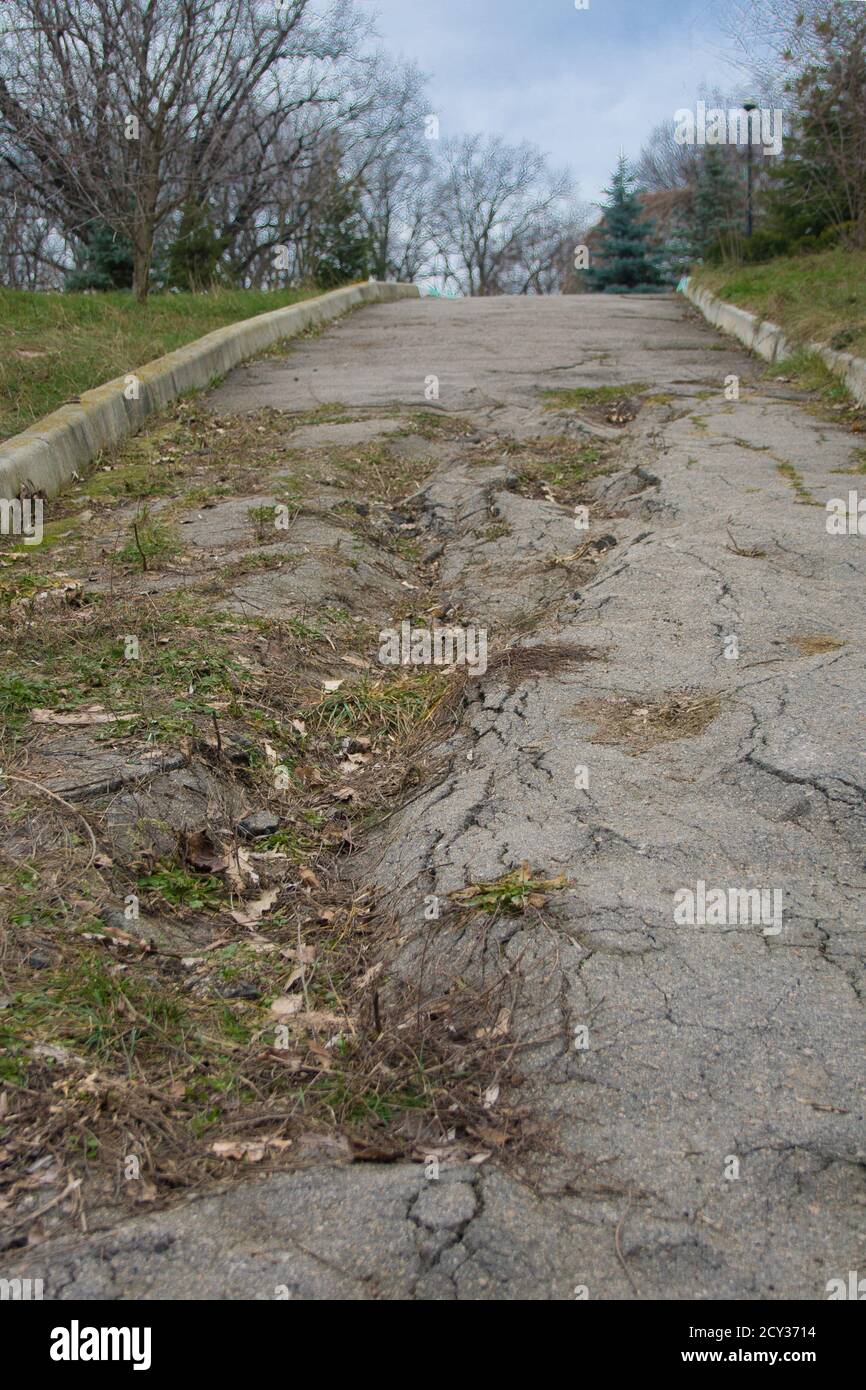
x=640, y=724
x=185, y=1039
x=815, y=644
x=517, y=664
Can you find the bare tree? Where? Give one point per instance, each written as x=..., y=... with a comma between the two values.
x=124, y=110
x=665, y=164
x=489, y=203
x=771, y=39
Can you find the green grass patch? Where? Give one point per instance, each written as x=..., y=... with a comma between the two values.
x=55, y=346
x=810, y=372
x=576, y=397
x=819, y=298
x=379, y=706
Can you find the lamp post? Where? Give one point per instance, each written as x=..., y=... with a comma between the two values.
x=749, y=106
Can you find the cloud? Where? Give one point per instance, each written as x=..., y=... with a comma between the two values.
x=582, y=84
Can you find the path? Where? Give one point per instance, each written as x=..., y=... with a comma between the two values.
x=710, y=1049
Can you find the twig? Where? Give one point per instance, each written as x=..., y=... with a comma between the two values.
x=34, y=1215
x=138, y=546
x=619, y=1253
x=94, y=848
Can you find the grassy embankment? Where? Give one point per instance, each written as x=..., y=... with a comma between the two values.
x=814, y=299
x=57, y=345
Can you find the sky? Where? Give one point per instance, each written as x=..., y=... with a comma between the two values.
x=582, y=84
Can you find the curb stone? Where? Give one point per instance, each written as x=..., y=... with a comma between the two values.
x=53, y=450
x=768, y=341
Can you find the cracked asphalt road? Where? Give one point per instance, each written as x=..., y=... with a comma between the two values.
x=708, y=1141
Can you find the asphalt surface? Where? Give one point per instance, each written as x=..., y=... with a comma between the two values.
x=698, y=1083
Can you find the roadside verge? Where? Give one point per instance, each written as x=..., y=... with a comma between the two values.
x=45, y=456
x=769, y=341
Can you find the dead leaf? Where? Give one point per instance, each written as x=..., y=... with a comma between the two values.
x=346, y=794
x=243, y=1150
x=287, y=1005
x=307, y=876
x=316, y=1018
x=324, y=1056
x=240, y=872
x=201, y=853
x=370, y=975
x=256, y=910
x=309, y=775
x=331, y=686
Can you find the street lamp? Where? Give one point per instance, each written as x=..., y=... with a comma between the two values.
x=749, y=106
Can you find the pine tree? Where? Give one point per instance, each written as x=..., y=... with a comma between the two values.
x=717, y=207
x=104, y=261
x=820, y=184
x=343, y=251
x=196, y=251
x=629, y=262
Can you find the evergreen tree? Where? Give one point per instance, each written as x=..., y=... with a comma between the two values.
x=104, y=262
x=196, y=251
x=629, y=262
x=718, y=207
x=820, y=183
x=343, y=250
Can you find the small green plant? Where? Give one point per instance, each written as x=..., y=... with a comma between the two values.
x=152, y=543
x=18, y=695
x=182, y=888
x=513, y=892
x=263, y=520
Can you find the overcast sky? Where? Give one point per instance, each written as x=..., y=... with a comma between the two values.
x=579, y=83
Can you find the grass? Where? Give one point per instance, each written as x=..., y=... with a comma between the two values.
x=512, y=892
x=815, y=644
x=391, y=706
x=793, y=476
x=574, y=397
x=819, y=298
x=640, y=724
x=152, y=542
x=55, y=346
x=858, y=463
x=157, y=1036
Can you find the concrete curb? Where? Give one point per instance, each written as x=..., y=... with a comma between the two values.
x=768, y=340
x=49, y=453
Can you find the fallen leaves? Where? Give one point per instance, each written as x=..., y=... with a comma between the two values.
x=202, y=854
x=255, y=911
x=248, y=1150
